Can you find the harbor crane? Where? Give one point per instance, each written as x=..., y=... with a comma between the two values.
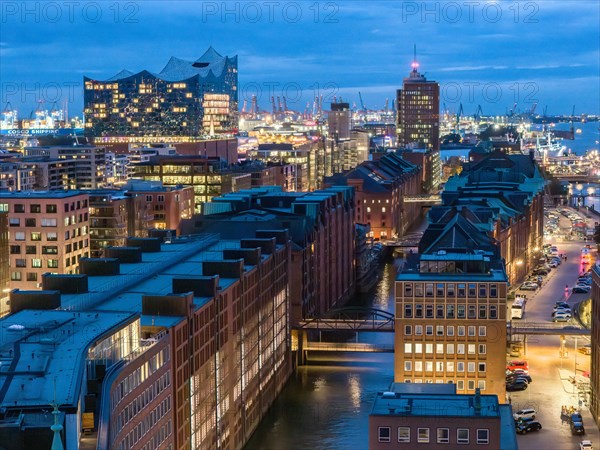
x=478, y=113
x=362, y=104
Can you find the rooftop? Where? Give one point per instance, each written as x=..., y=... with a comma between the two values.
x=43, y=352
x=432, y=401
x=41, y=194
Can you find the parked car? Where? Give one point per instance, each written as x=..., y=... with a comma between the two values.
x=554, y=264
x=523, y=413
x=527, y=427
x=540, y=271
x=584, y=280
x=562, y=309
x=562, y=305
x=586, y=445
x=514, y=365
x=581, y=289
x=577, y=428
x=519, y=376
x=562, y=312
x=529, y=286
x=516, y=386
x=586, y=349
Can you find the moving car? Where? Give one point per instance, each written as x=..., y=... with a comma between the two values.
x=527, y=427
x=577, y=428
x=562, y=304
x=561, y=317
x=524, y=413
x=562, y=312
x=586, y=445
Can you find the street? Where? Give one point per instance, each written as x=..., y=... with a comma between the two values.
x=551, y=387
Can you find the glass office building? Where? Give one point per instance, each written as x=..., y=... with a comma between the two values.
x=172, y=102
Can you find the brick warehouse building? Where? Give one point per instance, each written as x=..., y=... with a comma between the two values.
x=206, y=356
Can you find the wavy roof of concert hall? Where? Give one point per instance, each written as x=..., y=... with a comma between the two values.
x=178, y=69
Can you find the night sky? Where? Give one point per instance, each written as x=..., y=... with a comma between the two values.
x=488, y=53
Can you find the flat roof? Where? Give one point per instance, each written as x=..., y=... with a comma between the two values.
x=41, y=194
x=42, y=353
x=154, y=276
x=428, y=401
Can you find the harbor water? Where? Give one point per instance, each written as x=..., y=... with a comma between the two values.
x=326, y=404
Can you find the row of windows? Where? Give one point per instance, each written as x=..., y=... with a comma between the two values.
x=417, y=348
x=460, y=384
x=139, y=375
x=48, y=249
x=141, y=401
x=449, y=290
x=36, y=263
x=442, y=435
x=441, y=366
x=51, y=208
x=450, y=311
x=439, y=330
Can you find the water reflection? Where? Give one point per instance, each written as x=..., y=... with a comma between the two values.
x=326, y=404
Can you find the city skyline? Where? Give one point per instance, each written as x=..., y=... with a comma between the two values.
x=488, y=53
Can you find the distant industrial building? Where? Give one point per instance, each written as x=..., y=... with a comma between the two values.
x=186, y=98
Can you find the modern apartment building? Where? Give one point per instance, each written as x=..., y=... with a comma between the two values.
x=67, y=167
x=48, y=232
x=450, y=324
x=209, y=177
x=434, y=416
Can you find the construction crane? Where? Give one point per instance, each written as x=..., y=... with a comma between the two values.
x=362, y=104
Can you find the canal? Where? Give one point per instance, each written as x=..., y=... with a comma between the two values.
x=326, y=404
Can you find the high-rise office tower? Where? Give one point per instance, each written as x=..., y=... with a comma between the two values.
x=418, y=121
